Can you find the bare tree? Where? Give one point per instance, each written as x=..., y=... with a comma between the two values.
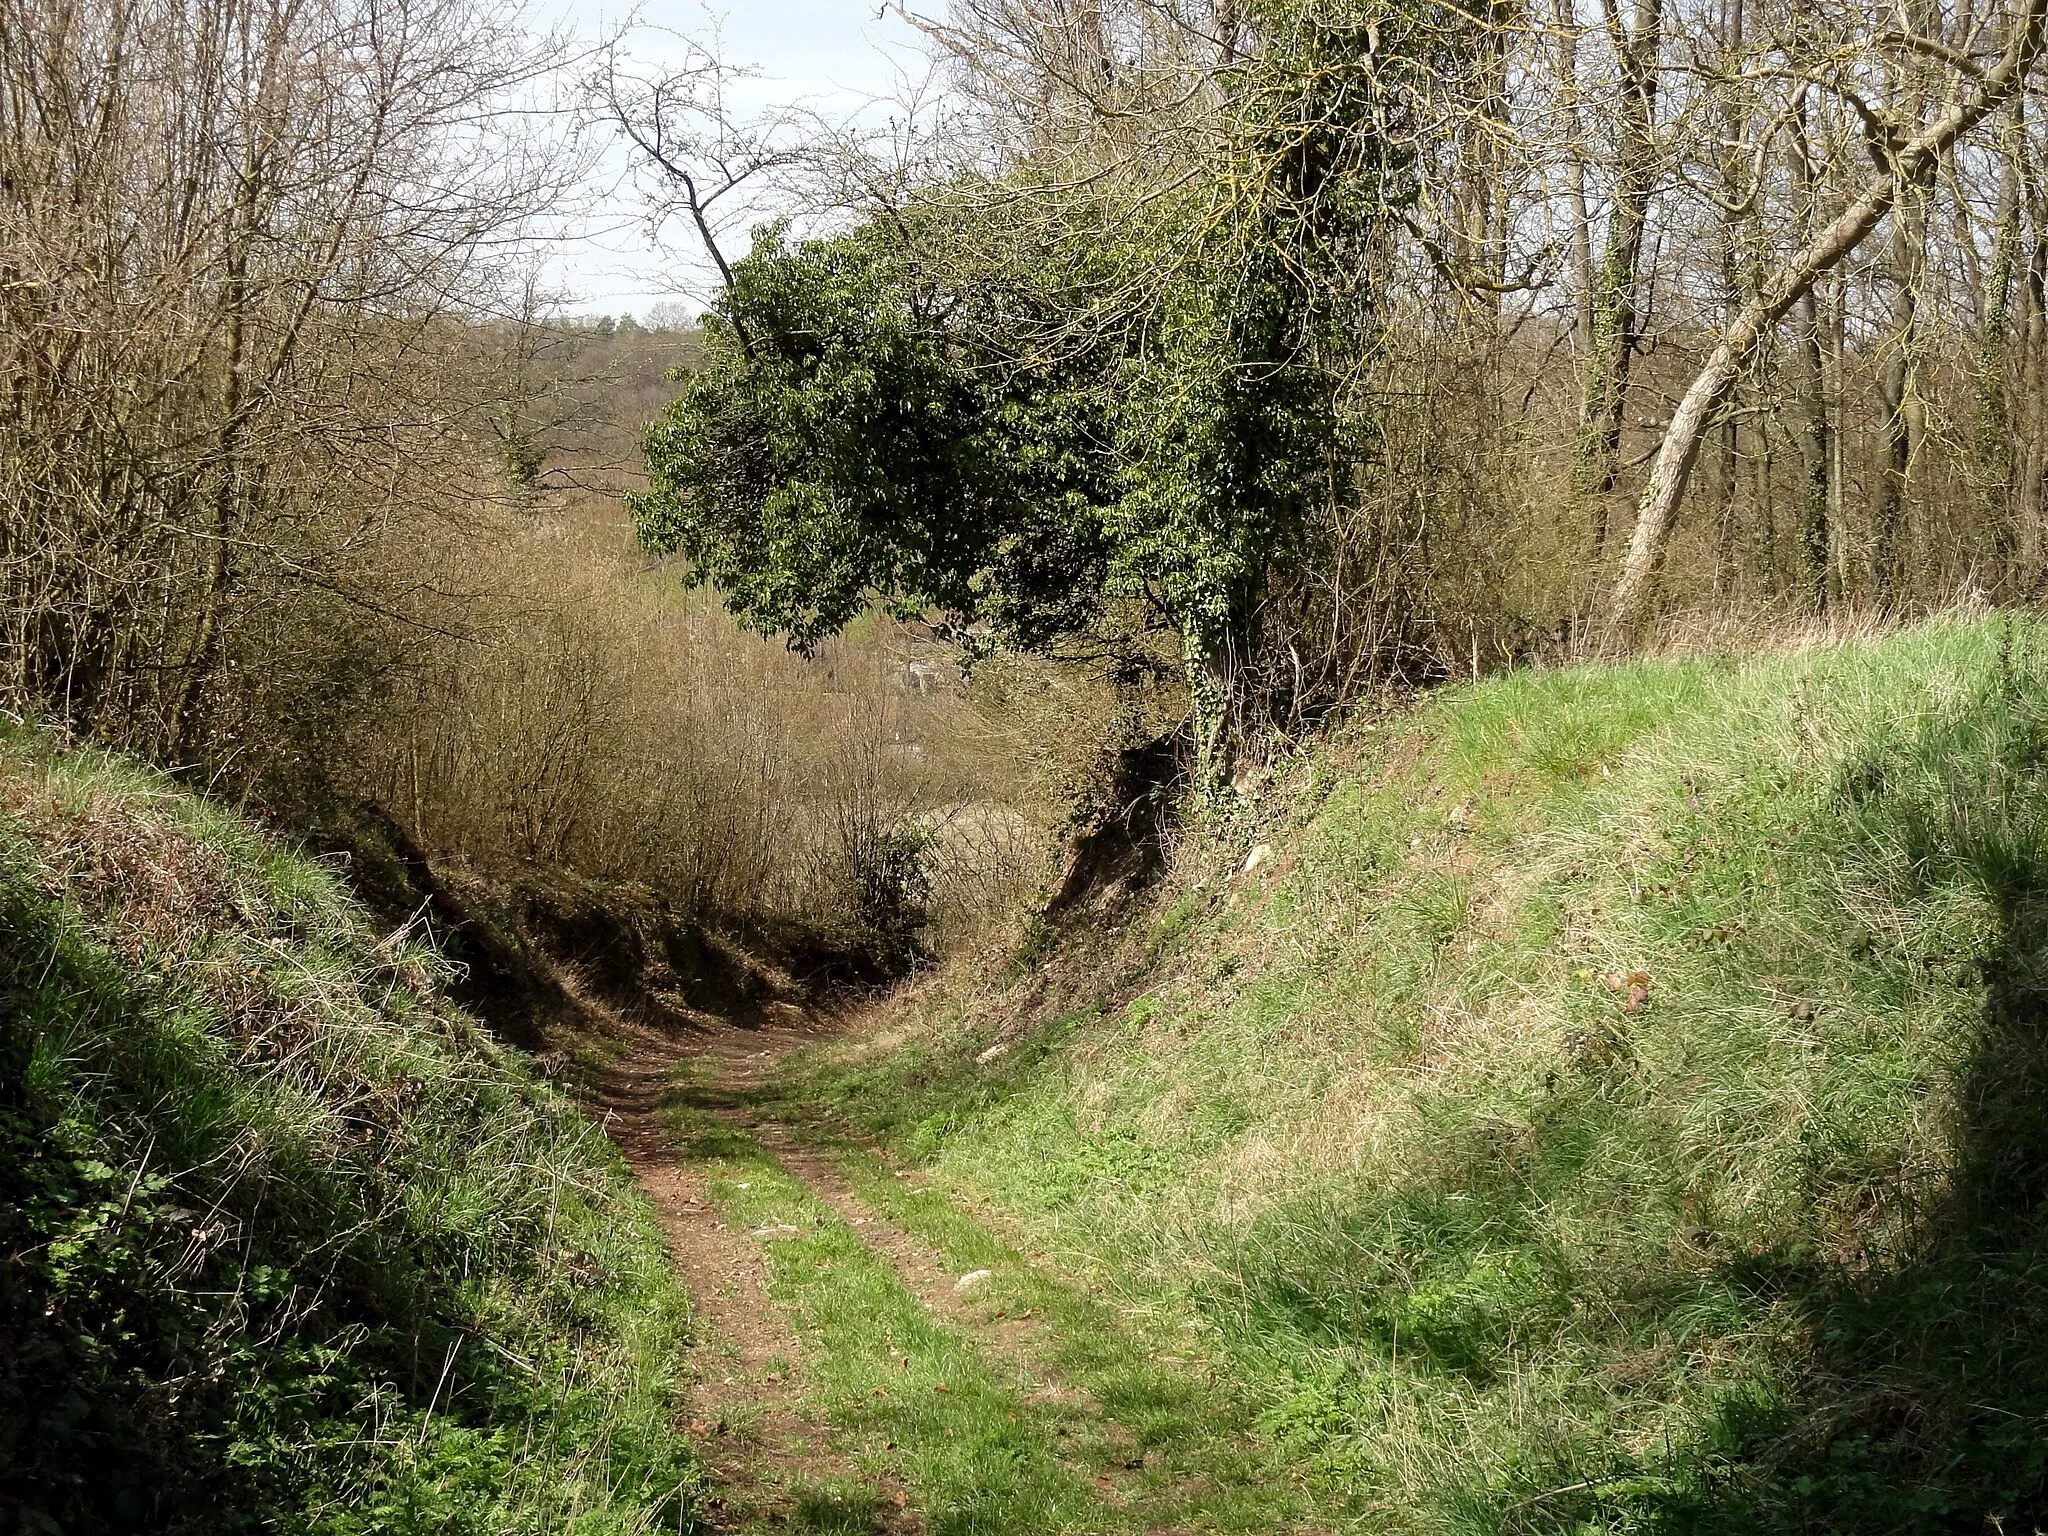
x=1993, y=426
x=695, y=152
x=234, y=237
x=1907, y=154
x=1615, y=302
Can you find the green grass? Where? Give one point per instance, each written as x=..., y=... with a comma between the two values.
x=1152, y=1377
x=1130, y=1437
x=1485, y=1247
x=286, y=1243
x=910, y=1396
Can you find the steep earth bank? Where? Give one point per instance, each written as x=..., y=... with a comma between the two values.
x=1609, y=1099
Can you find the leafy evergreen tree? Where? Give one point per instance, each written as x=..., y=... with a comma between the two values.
x=1013, y=408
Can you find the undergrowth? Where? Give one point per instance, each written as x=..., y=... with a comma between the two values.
x=1621, y=1105
x=286, y=1243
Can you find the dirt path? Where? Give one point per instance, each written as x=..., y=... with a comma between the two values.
x=692, y=1102
x=742, y=1414
x=1016, y=1341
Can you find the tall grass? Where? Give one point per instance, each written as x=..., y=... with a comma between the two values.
x=1619, y=1106
x=288, y=1243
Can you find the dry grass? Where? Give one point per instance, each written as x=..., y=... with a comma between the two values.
x=596, y=717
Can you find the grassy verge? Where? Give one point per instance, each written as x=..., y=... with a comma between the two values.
x=286, y=1243
x=1619, y=1105
x=1198, y=1460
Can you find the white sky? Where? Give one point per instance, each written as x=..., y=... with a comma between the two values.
x=834, y=55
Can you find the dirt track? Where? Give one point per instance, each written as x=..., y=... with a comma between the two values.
x=778, y=1465
x=742, y=1414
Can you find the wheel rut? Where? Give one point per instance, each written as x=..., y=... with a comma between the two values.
x=743, y=1416
x=746, y=1412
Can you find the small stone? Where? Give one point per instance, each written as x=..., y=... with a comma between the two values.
x=1258, y=858
x=971, y=1279
x=989, y=1055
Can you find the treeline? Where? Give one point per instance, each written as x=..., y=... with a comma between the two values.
x=1227, y=357
x=237, y=239
x=306, y=492
x=1347, y=337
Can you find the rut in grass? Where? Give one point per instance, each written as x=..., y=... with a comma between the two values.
x=872, y=1358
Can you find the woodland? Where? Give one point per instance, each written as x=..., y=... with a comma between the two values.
x=1158, y=590
x=1276, y=351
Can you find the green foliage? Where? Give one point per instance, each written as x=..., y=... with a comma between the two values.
x=523, y=458
x=854, y=435
x=1022, y=403
x=863, y=431
x=892, y=892
x=1223, y=437
x=285, y=1243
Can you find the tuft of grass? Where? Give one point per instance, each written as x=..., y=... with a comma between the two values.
x=1154, y=1381
x=1126, y=1435
x=1621, y=1107
x=286, y=1242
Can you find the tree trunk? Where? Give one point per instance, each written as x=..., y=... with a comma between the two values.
x=1816, y=443
x=1896, y=391
x=1994, y=427
x=1212, y=682
x=2031, y=449
x=1816, y=456
x=1228, y=19
x=208, y=645
x=1735, y=129
x=1616, y=297
x=1635, y=591
x=1724, y=521
x=1582, y=222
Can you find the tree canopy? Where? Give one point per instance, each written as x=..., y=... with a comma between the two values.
x=1107, y=377
x=854, y=437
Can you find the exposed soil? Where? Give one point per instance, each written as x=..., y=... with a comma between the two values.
x=1016, y=1341
x=745, y=1414
x=742, y=1415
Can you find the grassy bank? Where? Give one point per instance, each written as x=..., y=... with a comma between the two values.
x=1617, y=1104
x=286, y=1243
